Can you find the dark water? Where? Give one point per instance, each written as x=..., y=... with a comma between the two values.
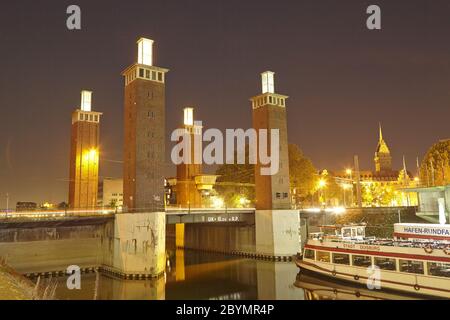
x=195, y=275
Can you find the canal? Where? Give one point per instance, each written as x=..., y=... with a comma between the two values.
x=197, y=275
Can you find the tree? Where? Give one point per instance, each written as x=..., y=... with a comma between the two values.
x=236, y=182
x=435, y=166
x=379, y=195
x=113, y=203
x=63, y=206
x=302, y=174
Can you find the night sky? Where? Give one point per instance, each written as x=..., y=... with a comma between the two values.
x=342, y=79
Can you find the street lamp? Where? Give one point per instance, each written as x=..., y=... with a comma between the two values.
x=218, y=203
x=345, y=187
x=242, y=201
x=320, y=185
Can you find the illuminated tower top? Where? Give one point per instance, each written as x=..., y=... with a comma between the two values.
x=144, y=68
x=188, y=116
x=192, y=126
x=145, y=51
x=84, y=112
x=268, y=95
x=86, y=99
x=268, y=82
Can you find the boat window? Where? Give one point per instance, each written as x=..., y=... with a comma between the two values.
x=323, y=256
x=341, y=258
x=316, y=236
x=439, y=269
x=385, y=263
x=309, y=254
x=361, y=232
x=362, y=261
x=353, y=232
x=347, y=232
x=411, y=266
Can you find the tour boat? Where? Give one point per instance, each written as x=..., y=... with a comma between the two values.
x=416, y=260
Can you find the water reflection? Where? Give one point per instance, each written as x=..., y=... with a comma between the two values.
x=317, y=288
x=198, y=276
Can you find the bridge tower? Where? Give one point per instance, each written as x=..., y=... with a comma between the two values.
x=188, y=196
x=144, y=129
x=139, y=235
x=84, y=155
x=277, y=226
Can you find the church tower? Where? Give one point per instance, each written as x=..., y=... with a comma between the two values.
x=383, y=159
x=144, y=131
x=84, y=155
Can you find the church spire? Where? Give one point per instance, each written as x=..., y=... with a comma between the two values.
x=404, y=164
x=381, y=132
x=383, y=160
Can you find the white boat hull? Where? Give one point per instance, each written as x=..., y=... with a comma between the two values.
x=409, y=283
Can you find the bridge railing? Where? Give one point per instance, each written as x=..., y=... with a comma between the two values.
x=179, y=210
x=76, y=213
x=51, y=214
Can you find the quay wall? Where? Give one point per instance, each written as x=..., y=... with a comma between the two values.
x=48, y=246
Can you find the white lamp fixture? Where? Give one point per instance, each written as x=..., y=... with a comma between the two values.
x=188, y=116
x=145, y=51
x=268, y=82
x=86, y=99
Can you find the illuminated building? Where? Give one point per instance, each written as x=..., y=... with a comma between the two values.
x=383, y=159
x=84, y=155
x=144, y=130
x=383, y=182
x=110, y=193
x=26, y=206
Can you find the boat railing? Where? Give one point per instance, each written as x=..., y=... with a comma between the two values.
x=443, y=245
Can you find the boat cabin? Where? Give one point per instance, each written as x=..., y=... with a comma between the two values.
x=350, y=232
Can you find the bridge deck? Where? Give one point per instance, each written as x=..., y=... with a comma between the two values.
x=91, y=217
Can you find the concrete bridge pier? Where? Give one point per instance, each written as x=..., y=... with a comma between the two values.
x=277, y=232
x=139, y=244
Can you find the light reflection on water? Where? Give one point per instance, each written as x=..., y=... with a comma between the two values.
x=199, y=276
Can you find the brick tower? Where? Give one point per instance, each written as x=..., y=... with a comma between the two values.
x=269, y=112
x=277, y=226
x=84, y=155
x=144, y=130
x=187, y=193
